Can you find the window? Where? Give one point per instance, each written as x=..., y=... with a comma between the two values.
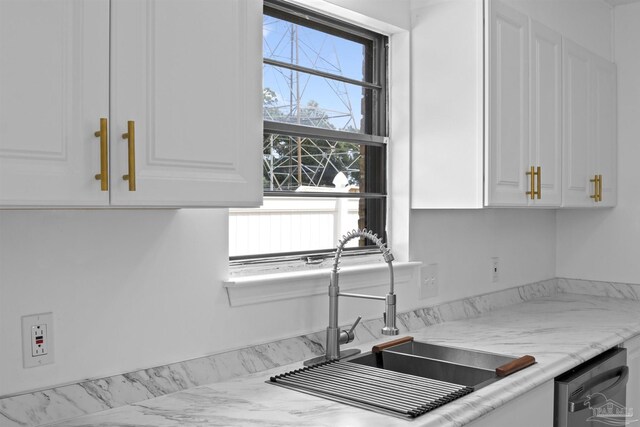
x=325, y=128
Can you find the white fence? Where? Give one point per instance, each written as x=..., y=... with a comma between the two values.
x=288, y=224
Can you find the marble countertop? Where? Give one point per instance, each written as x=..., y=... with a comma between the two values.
x=560, y=331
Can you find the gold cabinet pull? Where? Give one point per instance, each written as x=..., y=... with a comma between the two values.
x=532, y=182
x=103, y=176
x=539, y=174
x=599, y=188
x=130, y=136
x=532, y=175
x=596, y=188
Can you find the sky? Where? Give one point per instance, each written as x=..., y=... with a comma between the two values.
x=320, y=51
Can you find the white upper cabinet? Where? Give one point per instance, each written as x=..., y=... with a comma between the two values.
x=524, y=140
x=545, y=114
x=182, y=78
x=590, y=122
x=577, y=168
x=507, y=147
x=54, y=87
x=506, y=114
x=189, y=75
x=605, y=132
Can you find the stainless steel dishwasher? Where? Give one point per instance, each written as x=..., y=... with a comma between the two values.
x=593, y=393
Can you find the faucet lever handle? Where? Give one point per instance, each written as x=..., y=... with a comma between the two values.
x=348, y=336
x=354, y=326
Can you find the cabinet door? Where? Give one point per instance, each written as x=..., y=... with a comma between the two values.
x=604, y=108
x=508, y=133
x=590, y=127
x=189, y=74
x=633, y=386
x=577, y=166
x=546, y=112
x=54, y=88
x=532, y=409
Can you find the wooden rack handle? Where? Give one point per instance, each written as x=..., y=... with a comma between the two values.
x=378, y=348
x=515, y=366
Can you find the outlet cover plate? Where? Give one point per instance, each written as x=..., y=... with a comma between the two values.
x=429, y=281
x=495, y=269
x=29, y=324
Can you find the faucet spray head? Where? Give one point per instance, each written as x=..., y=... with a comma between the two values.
x=390, y=316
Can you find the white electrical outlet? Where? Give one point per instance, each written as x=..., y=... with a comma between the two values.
x=37, y=340
x=495, y=269
x=429, y=281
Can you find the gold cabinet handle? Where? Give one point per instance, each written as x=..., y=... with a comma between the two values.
x=599, y=188
x=596, y=188
x=539, y=174
x=130, y=136
x=532, y=174
x=103, y=176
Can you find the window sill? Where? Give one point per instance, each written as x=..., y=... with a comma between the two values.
x=281, y=286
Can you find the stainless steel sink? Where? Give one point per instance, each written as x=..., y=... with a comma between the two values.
x=478, y=359
x=465, y=367
x=428, y=368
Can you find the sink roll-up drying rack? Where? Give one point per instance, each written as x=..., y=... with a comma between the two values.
x=399, y=394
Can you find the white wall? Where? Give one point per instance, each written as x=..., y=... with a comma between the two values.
x=393, y=12
x=127, y=289
x=131, y=289
x=386, y=16
x=605, y=244
x=463, y=242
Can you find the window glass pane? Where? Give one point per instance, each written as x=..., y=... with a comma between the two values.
x=296, y=44
x=304, y=99
x=314, y=164
x=292, y=224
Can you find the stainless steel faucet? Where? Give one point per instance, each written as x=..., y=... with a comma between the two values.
x=335, y=336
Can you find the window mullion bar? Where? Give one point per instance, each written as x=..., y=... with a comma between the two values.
x=291, y=129
x=324, y=194
x=319, y=73
x=300, y=255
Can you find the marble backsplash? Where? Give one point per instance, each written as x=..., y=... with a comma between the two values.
x=69, y=401
x=600, y=289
